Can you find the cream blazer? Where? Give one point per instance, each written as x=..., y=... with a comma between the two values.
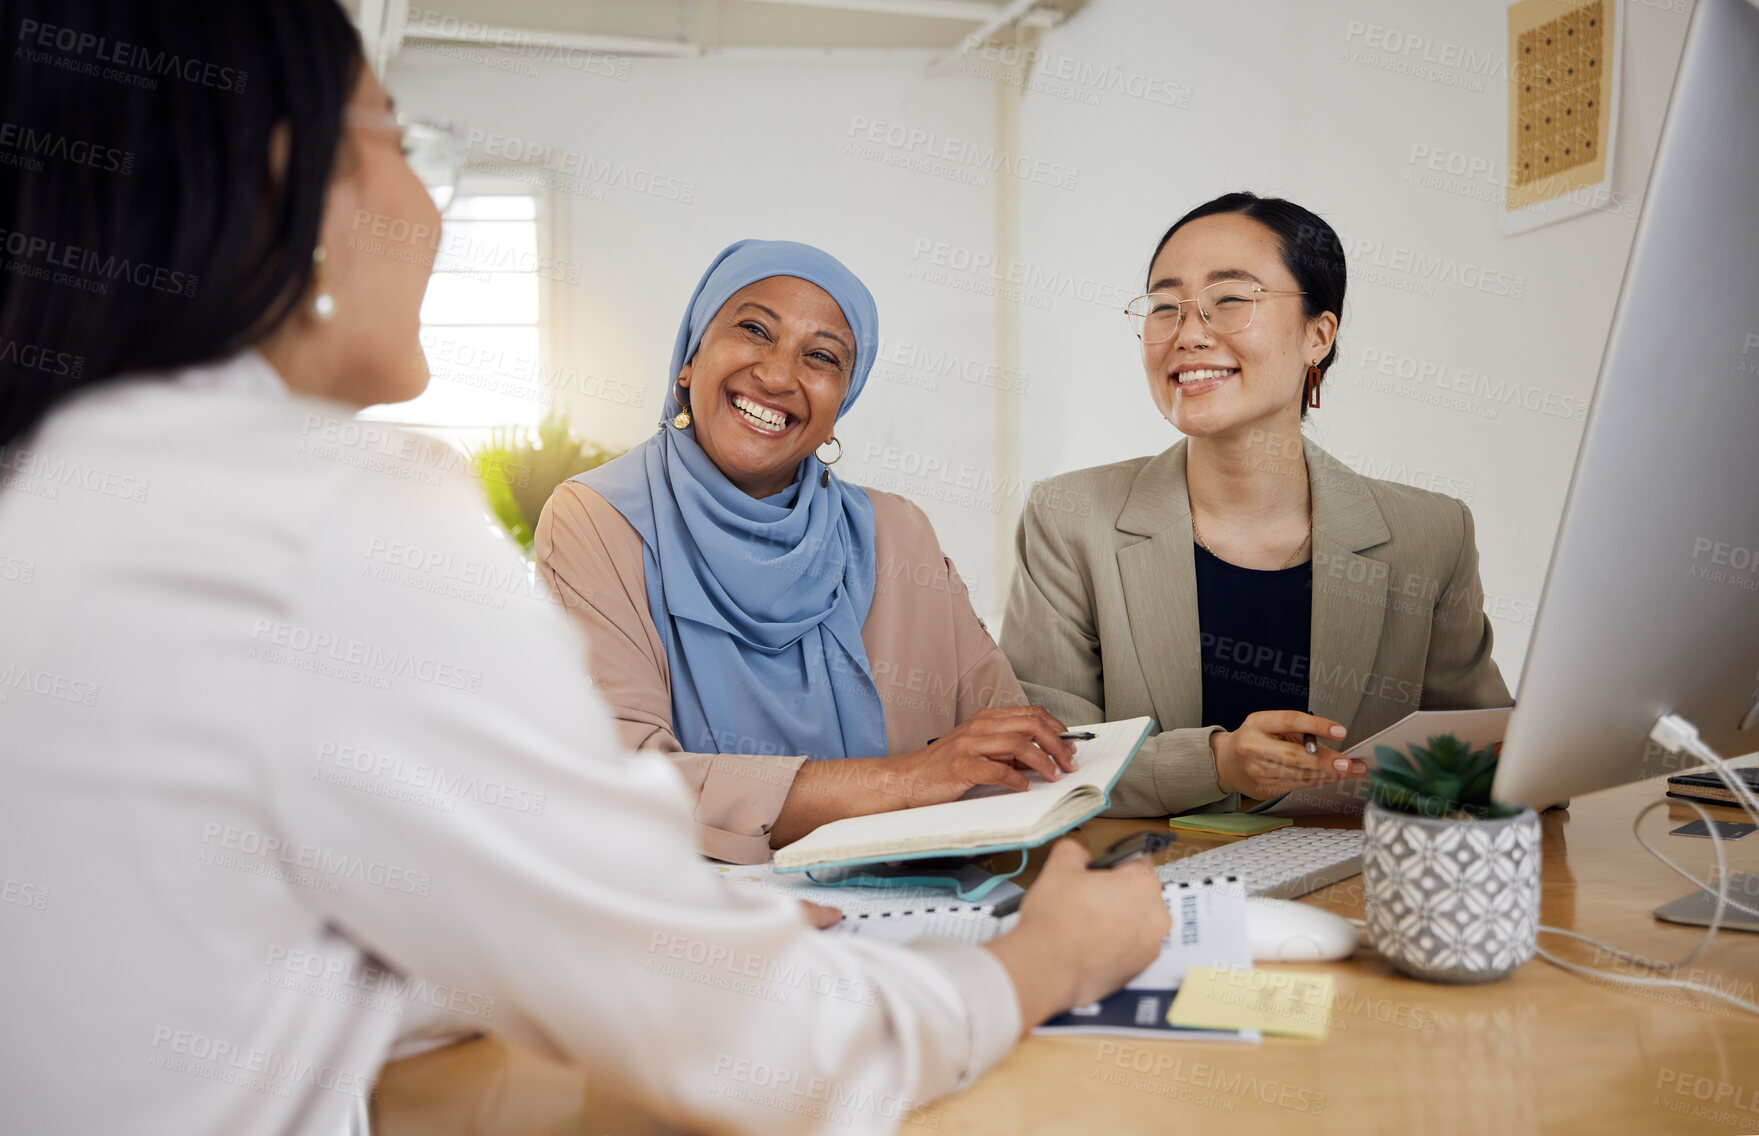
x=932, y=659
x=1102, y=618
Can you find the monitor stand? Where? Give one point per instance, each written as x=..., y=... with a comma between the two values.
x=1696, y=909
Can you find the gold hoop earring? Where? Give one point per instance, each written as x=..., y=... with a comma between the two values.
x=323, y=305
x=682, y=418
x=824, y=479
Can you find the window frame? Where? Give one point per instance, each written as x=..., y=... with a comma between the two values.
x=474, y=181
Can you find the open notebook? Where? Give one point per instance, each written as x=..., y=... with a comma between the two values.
x=979, y=826
x=1208, y=929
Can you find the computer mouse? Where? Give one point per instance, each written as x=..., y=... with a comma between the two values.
x=1278, y=930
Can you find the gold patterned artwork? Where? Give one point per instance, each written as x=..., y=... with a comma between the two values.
x=1560, y=97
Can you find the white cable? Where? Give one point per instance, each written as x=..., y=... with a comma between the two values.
x=1672, y=728
x=1677, y=735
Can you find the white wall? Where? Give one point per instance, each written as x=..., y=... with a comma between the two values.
x=1287, y=98
x=763, y=146
x=992, y=281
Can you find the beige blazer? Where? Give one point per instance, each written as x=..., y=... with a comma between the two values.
x=1102, y=619
x=932, y=659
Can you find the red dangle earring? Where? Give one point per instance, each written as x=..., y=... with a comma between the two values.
x=1313, y=378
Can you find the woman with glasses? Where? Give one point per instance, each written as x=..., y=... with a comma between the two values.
x=267, y=802
x=750, y=610
x=1263, y=601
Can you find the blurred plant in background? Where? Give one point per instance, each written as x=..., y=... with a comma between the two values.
x=1446, y=778
x=520, y=467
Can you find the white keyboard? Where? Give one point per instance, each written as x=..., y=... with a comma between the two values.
x=1283, y=864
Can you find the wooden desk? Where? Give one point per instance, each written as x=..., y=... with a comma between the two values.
x=1542, y=1051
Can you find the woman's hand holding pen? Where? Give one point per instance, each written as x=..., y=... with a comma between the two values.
x=992, y=747
x=1081, y=934
x=1267, y=756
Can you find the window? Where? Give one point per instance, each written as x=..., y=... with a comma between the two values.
x=483, y=319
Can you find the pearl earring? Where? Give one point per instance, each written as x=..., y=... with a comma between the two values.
x=323, y=305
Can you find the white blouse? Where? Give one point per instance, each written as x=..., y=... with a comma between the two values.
x=294, y=754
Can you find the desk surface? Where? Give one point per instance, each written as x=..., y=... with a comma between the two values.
x=1542, y=1051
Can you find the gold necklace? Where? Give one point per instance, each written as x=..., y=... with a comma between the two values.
x=1204, y=544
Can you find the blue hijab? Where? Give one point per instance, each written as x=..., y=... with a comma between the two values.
x=759, y=602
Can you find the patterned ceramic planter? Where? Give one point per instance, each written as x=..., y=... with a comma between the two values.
x=1451, y=900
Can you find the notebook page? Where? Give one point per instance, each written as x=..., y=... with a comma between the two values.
x=945, y=825
x=966, y=922
x=857, y=899
x=1209, y=929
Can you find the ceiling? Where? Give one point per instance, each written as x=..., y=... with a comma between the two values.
x=694, y=27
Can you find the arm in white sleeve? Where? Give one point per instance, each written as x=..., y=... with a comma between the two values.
x=503, y=844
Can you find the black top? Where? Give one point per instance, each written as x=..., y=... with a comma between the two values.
x=1256, y=629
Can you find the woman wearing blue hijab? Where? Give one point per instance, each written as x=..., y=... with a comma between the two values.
x=749, y=611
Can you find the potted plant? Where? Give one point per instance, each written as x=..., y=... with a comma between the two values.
x=519, y=468
x=1451, y=879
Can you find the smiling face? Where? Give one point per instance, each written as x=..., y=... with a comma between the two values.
x=767, y=380
x=1209, y=384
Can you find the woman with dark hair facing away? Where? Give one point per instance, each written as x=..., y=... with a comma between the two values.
x=750, y=610
x=1244, y=586
x=255, y=761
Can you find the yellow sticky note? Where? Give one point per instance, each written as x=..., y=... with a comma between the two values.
x=1274, y=1001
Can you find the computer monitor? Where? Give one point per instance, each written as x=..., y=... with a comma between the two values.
x=1651, y=604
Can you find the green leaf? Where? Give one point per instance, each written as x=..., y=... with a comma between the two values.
x=1388, y=756
x=519, y=468
x=1397, y=780
x=1445, y=776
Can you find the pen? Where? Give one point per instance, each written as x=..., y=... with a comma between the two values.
x=1132, y=847
x=1078, y=736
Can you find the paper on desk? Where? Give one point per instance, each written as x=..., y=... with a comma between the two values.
x=938, y=919
x=1136, y=1013
x=1228, y=824
x=1477, y=728
x=1209, y=929
x=1298, y=1005
x=856, y=899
